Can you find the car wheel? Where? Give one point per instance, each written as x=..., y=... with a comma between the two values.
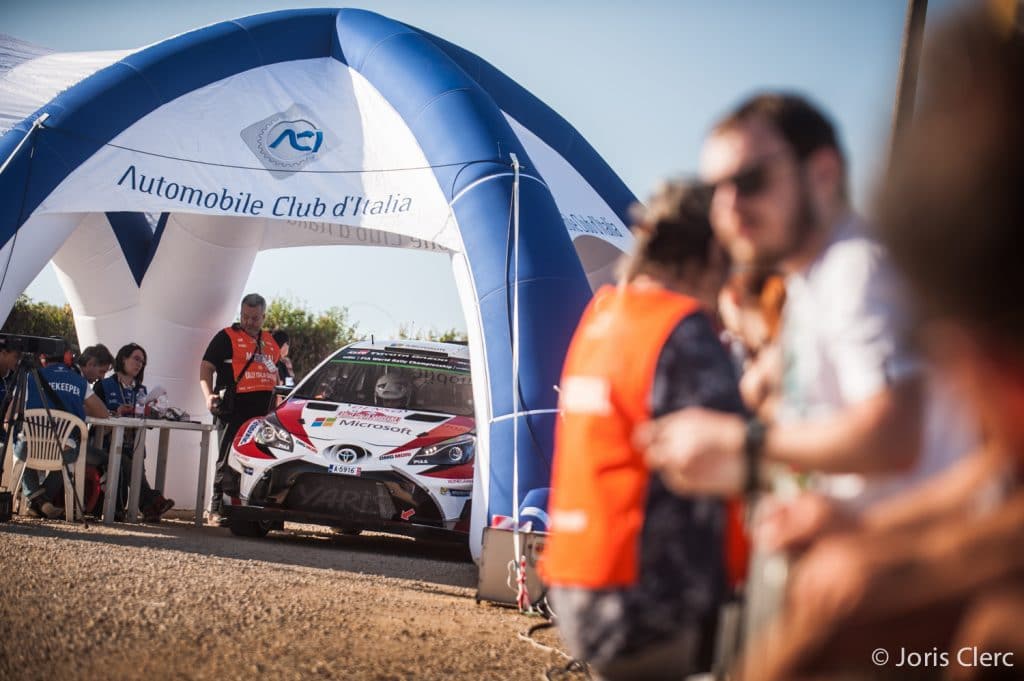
x=249, y=528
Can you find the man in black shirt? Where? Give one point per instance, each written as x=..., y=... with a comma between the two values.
x=244, y=359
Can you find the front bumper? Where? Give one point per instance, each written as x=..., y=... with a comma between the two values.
x=263, y=513
x=383, y=501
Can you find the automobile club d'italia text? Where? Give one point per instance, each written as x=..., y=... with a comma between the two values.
x=243, y=203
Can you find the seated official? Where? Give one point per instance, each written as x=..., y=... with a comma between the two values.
x=94, y=363
x=122, y=393
x=74, y=396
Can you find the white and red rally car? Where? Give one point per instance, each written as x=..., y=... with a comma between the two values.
x=380, y=436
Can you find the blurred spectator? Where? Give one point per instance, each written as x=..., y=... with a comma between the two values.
x=637, y=573
x=853, y=399
x=285, y=372
x=750, y=307
x=122, y=394
x=94, y=363
x=940, y=569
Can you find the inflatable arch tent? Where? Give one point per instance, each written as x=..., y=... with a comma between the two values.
x=152, y=178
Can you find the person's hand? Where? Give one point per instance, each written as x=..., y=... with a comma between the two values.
x=761, y=379
x=125, y=410
x=697, y=451
x=212, y=400
x=793, y=525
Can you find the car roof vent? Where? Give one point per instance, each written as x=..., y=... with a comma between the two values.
x=427, y=418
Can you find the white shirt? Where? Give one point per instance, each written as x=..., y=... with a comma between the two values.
x=843, y=342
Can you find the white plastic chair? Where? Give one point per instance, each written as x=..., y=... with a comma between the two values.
x=43, y=453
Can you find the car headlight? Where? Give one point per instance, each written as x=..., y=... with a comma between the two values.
x=448, y=453
x=272, y=434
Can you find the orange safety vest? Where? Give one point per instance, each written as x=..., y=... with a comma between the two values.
x=599, y=481
x=261, y=374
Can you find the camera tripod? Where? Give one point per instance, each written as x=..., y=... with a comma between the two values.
x=13, y=411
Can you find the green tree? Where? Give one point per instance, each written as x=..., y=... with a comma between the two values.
x=410, y=332
x=310, y=337
x=36, y=318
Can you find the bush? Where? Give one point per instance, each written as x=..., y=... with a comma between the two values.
x=36, y=318
x=409, y=332
x=310, y=337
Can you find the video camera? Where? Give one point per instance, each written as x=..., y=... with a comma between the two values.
x=32, y=345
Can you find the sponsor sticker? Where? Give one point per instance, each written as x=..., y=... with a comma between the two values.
x=448, y=491
x=250, y=431
x=351, y=423
x=369, y=414
x=323, y=421
x=397, y=455
x=344, y=469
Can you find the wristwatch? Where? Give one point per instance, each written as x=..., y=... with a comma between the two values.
x=753, y=449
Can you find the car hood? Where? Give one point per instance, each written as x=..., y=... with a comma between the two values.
x=320, y=423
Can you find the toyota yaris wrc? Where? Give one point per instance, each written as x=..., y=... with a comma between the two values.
x=379, y=436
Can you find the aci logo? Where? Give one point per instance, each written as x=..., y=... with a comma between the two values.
x=287, y=141
x=288, y=134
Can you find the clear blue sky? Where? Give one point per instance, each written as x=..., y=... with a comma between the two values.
x=640, y=80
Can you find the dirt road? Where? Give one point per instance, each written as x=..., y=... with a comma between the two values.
x=172, y=601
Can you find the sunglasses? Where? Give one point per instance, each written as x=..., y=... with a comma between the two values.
x=748, y=182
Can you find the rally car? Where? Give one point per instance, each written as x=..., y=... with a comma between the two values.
x=380, y=436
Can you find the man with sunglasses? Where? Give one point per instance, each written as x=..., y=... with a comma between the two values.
x=854, y=401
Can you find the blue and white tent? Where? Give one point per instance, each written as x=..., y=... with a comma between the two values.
x=153, y=177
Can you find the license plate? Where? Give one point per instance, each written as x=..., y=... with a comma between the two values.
x=344, y=469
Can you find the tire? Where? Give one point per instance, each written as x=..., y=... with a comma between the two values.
x=249, y=528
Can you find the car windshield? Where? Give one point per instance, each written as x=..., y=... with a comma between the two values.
x=398, y=379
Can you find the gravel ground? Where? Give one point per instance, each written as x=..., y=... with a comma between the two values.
x=173, y=601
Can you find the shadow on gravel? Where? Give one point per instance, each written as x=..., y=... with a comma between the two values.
x=437, y=563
